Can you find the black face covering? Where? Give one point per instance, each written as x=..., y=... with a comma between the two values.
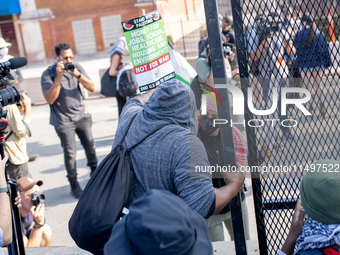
x=207, y=125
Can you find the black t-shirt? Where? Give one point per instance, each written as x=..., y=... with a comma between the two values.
x=229, y=36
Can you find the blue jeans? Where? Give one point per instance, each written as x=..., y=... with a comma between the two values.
x=83, y=129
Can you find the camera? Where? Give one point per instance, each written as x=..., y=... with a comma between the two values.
x=37, y=198
x=69, y=67
x=265, y=27
x=226, y=48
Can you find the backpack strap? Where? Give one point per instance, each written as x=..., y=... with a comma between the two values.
x=132, y=119
x=133, y=146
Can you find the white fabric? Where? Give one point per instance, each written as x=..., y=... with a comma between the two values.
x=181, y=66
x=4, y=51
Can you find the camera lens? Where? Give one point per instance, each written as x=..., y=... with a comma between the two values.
x=9, y=96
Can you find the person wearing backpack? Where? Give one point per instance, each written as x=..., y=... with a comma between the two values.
x=126, y=81
x=315, y=228
x=119, y=55
x=312, y=57
x=170, y=156
x=61, y=87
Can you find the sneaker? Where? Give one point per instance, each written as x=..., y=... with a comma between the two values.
x=323, y=110
x=32, y=157
x=76, y=190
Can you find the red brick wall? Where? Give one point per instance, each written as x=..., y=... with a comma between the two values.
x=66, y=11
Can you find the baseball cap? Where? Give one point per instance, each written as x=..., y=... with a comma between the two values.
x=26, y=183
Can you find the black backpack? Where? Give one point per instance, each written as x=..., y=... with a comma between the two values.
x=126, y=84
x=105, y=199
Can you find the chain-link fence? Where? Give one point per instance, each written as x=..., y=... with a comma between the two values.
x=283, y=49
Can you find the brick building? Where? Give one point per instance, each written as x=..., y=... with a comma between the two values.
x=92, y=26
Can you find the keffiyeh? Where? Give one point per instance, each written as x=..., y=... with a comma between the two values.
x=316, y=235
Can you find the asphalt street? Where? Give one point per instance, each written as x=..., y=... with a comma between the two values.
x=50, y=168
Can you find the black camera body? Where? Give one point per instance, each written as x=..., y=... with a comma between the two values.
x=38, y=198
x=266, y=29
x=69, y=67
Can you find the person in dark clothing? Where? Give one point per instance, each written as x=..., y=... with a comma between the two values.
x=229, y=35
x=172, y=157
x=312, y=57
x=211, y=138
x=69, y=116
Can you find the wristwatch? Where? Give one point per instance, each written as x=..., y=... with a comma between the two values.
x=78, y=76
x=4, y=190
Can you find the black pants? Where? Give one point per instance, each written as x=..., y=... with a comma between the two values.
x=83, y=129
x=121, y=101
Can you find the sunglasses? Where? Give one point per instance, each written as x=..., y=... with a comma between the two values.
x=67, y=57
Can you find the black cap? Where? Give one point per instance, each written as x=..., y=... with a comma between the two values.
x=160, y=222
x=308, y=18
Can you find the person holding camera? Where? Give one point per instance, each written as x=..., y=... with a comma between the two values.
x=17, y=128
x=267, y=46
x=36, y=232
x=69, y=115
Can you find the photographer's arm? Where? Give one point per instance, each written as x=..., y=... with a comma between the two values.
x=37, y=230
x=87, y=83
x=5, y=208
x=53, y=93
x=15, y=121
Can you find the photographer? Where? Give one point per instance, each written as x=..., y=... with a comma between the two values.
x=35, y=231
x=69, y=116
x=18, y=127
x=266, y=48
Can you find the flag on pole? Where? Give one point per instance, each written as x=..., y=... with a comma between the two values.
x=331, y=27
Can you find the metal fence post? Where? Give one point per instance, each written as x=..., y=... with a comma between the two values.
x=218, y=68
x=251, y=140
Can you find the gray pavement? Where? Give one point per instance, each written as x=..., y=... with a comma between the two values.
x=49, y=167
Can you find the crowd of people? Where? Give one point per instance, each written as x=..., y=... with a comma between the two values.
x=187, y=138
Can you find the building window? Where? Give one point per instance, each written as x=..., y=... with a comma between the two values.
x=111, y=30
x=84, y=36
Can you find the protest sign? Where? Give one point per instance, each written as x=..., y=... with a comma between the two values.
x=149, y=50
